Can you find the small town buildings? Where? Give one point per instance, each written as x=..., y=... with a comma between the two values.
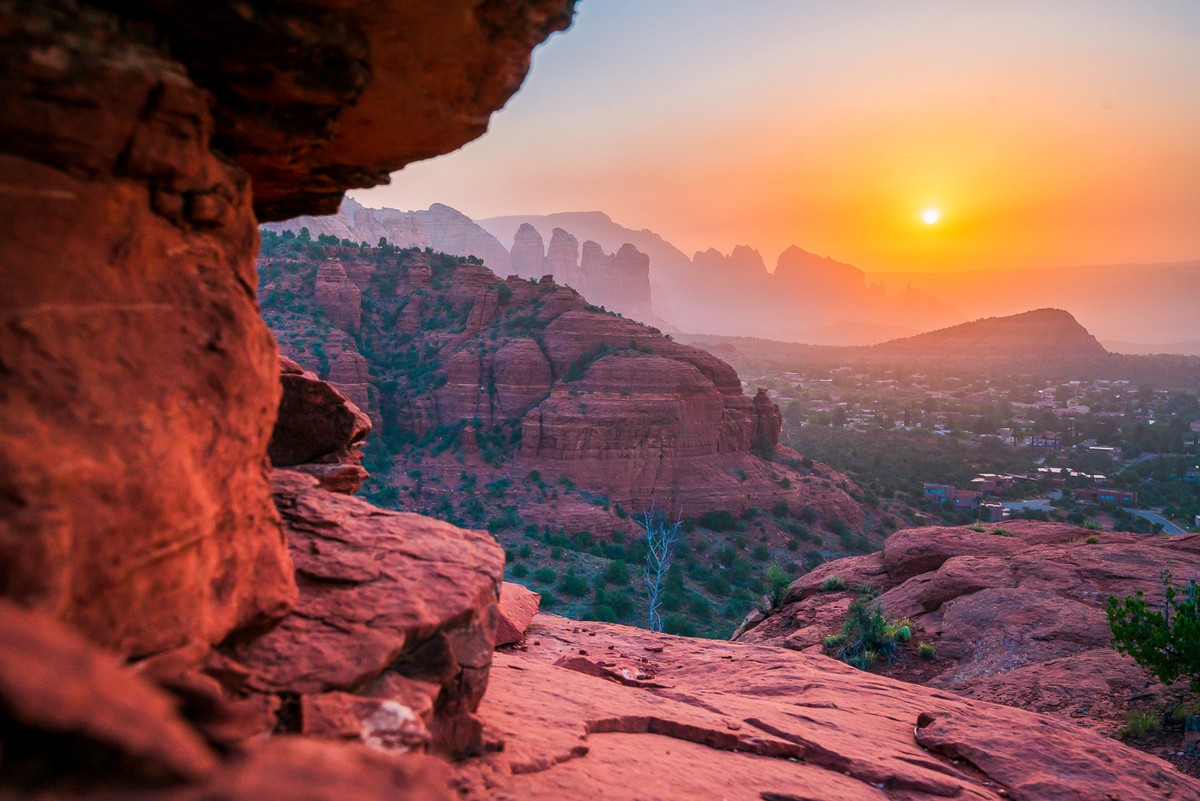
x=992, y=482
x=1046, y=439
x=944, y=493
x=1107, y=495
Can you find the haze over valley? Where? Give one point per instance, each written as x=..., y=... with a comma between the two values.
x=801, y=297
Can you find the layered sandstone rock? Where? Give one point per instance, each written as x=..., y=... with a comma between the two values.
x=338, y=296
x=555, y=385
x=350, y=374
x=78, y=724
x=587, y=706
x=1017, y=619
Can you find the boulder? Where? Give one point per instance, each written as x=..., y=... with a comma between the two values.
x=316, y=422
x=385, y=598
x=55, y=684
x=518, y=605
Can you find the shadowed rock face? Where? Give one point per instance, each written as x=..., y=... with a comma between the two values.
x=314, y=98
x=136, y=149
x=140, y=144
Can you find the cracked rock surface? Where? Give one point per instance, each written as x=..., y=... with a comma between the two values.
x=641, y=715
x=1016, y=617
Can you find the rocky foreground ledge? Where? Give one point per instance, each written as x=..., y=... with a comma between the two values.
x=596, y=710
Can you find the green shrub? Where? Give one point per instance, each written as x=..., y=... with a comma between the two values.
x=722, y=520
x=602, y=613
x=1092, y=539
x=678, y=624
x=699, y=608
x=833, y=584
x=761, y=553
x=544, y=575
x=926, y=650
x=776, y=580
x=833, y=640
x=1182, y=712
x=867, y=635
x=1001, y=532
x=838, y=527
x=717, y=584
x=1165, y=643
x=900, y=630
x=574, y=585
x=1140, y=723
x=617, y=573
x=620, y=601
x=977, y=527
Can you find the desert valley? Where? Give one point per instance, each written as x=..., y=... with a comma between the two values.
x=307, y=497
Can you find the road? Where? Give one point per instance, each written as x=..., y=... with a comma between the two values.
x=1155, y=517
x=1042, y=504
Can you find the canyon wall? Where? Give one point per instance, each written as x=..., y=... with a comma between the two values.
x=552, y=383
x=140, y=382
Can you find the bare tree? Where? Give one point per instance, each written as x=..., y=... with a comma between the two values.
x=660, y=541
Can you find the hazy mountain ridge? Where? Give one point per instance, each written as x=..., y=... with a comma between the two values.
x=807, y=298
x=735, y=293
x=1040, y=342
x=1038, y=334
x=1151, y=304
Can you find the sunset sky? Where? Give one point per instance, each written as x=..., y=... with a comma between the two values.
x=1045, y=132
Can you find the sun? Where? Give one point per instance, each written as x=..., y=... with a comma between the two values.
x=931, y=216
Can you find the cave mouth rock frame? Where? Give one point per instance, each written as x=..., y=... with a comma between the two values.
x=148, y=554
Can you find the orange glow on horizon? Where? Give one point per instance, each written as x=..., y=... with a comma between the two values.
x=1047, y=134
